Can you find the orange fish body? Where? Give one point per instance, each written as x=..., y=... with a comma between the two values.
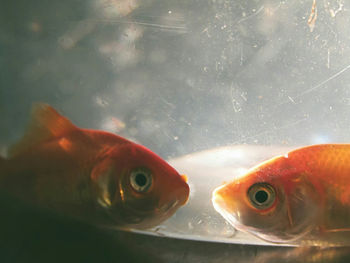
x=300, y=198
x=92, y=175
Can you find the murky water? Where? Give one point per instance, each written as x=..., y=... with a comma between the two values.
x=197, y=79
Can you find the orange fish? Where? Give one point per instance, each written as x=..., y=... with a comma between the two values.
x=91, y=175
x=300, y=198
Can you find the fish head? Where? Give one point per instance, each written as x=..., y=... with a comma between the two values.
x=137, y=188
x=274, y=201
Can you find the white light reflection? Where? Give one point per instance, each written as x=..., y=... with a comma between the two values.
x=223, y=156
x=319, y=139
x=112, y=124
x=240, y=172
x=115, y=8
x=3, y=151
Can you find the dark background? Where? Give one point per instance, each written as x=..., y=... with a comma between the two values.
x=179, y=77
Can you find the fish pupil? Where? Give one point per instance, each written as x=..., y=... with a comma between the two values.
x=141, y=179
x=261, y=196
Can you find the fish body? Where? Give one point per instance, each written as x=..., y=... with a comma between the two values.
x=92, y=175
x=300, y=198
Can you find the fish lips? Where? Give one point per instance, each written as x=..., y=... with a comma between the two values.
x=142, y=214
x=225, y=209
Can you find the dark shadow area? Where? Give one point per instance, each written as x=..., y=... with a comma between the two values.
x=31, y=235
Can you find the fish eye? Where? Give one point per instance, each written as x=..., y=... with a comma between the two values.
x=141, y=180
x=261, y=195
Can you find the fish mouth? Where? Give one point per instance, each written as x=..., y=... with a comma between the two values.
x=217, y=199
x=134, y=217
x=157, y=209
x=225, y=208
x=184, y=194
x=145, y=218
x=167, y=206
x=175, y=199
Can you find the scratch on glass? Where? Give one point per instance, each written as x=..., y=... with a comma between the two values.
x=250, y=16
x=313, y=16
x=323, y=82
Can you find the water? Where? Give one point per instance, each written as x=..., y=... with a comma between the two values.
x=214, y=86
x=195, y=75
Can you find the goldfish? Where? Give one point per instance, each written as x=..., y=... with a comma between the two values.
x=90, y=175
x=300, y=198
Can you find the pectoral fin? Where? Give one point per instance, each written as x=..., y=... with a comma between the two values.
x=104, y=183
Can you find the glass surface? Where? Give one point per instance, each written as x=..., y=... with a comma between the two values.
x=181, y=77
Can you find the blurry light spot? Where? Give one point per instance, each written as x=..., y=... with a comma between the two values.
x=116, y=8
x=106, y=199
x=121, y=55
x=319, y=139
x=65, y=144
x=66, y=42
x=3, y=151
x=35, y=27
x=269, y=11
x=76, y=33
x=122, y=194
x=131, y=34
x=176, y=138
x=241, y=171
x=112, y=124
x=236, y=154
x=333, y=12
x=346, y=101
x=238, y=214
x=224, y=156
x=101, y=102
x=129, y=57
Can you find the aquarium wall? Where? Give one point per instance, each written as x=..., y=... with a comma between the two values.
x=181, y=76
x=214, y=87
